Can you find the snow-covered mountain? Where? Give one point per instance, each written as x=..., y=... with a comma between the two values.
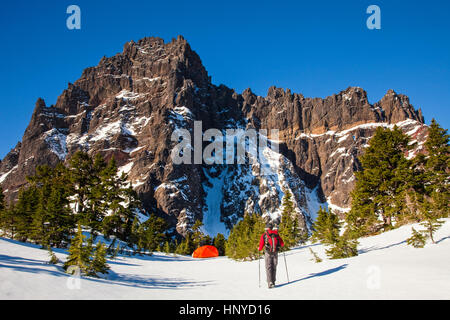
x=129, y=105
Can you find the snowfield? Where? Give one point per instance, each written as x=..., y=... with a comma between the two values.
x=386, y=268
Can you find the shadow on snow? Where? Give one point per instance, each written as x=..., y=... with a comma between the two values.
x=318, y=274
x=34, y=266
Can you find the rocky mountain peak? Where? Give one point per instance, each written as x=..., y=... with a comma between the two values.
x=129, y=105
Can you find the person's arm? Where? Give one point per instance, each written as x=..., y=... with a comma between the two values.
x=281, y=241
x=261, y=242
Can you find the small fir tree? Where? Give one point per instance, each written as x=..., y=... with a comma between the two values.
x=220, y=242
x=417, y=240
x=53, y=258
x=79, y=253
x=166, y=249
x=326, y=229
x=315, y=258
x=99, y=263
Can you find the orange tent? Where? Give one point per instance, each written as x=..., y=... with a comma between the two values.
x=205, y=252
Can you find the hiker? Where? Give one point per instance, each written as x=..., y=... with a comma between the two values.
x=271, y=242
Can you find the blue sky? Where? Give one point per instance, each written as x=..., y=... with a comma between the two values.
x=316, y=48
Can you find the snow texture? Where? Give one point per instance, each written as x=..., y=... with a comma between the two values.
x=386, y=268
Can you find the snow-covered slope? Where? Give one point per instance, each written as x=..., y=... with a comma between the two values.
x=386, y=268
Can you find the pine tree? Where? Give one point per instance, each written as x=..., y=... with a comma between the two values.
x=8, y=221
x=79, y=252
x=167, y=249
x=431, y=223
x=59, y=219
x=150, y=235
x=316, y=258
x=24, y=210
x=2, y=200
x=185, y=247
x=343, y=248
x=437, y=173
x=53, y=258
x=289, y=230
x=242, y=243
x=382, y=183
x=417, y=240
x=82, y=177
x=220, y=242
x=431, y=190
x=3, y=211
x=198, y=237
x=326, y=227
x=52, y=222
x=121, y=201
x=99, y=263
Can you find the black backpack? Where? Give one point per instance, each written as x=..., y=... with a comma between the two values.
x=269, y=245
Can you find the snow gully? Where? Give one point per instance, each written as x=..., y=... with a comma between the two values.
x=251, y=145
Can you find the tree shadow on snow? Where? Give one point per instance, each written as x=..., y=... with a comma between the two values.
x=33, y=266
x=374, y=248
x=318, y=274
x=147, y=282
x=440, y=240
x=28, y=265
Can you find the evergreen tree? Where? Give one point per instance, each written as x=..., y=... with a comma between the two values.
x=382, y=183
x=82, y=177
x=120, y=201
x=24, y=211
x=185, y=247
x=150, y=235
x=316, y=258
x=167, y=249
x=53, y=258
x=220, y=243
x=8, y=221
x=79, y=253
x=99, y=263
x=3, y=211
x=417, y=240
x=59, y=222
x=52, y=221
x=343, y=248
x=430, y=194
x=431, y=223
x=289, y=230
x=42, y=181
x=198, y=237
x=2, y=200
x=326, y=229
x=242, y=244
x=437, y=173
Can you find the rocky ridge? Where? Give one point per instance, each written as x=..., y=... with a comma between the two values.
x=129, y=105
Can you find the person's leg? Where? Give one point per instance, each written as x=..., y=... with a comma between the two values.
x=274, y=264
x=269, y=267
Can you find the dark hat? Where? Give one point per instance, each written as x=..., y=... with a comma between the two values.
x=269, y=225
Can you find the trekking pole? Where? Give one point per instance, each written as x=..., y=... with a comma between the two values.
x=259, y=270
x=285, y=264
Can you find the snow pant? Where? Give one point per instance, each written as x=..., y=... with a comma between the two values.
x=271, y=260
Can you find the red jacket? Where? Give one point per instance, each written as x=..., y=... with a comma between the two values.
x=276, y=238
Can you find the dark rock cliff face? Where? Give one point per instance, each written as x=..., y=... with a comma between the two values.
x=129, y=105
